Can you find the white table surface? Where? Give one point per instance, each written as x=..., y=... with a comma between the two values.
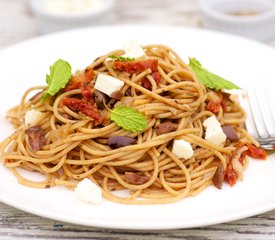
x=17, y=24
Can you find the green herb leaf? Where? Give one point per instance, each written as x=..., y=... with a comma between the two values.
x=121, y=58
x=210, y=79
x=128, y=118
x=60, y=74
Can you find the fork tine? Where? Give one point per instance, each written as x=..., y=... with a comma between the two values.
x=266, y=110
x=256, y=112
x=249, y=122
x=271, y=96
x=260, y=121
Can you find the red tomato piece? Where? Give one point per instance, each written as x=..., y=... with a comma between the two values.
x=213, y=107
x=230, y=175
x=146, y=83
x=79, y=79
x=156, y=76
x=136, y=66
x=256, y=152
x=84, y=106
x=87, y=91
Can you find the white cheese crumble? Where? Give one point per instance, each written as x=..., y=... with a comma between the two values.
x=32, y=117
x=108, y=84
x=89, y=192
x=182, y=149
x=133, y=50
x=214, y=132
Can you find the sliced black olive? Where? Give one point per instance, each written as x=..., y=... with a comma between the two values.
x=230, y=132
x=99, y=99
x=120, y=141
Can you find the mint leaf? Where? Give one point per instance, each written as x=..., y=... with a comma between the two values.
x=210, y=79
x=128, y=118
x=60, y=74
x=121, y=58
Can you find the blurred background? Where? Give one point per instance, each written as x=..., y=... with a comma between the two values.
x=24, y=19
x=18, y=22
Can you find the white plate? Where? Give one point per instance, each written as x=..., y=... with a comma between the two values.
x=235, y=58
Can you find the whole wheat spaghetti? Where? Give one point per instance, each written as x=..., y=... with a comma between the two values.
x=69, y=143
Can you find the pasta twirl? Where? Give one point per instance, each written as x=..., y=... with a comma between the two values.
x=70, y=141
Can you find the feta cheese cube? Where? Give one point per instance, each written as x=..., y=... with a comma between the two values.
x=214, y=132
x=211, y=122
x=89, y=192
x=216, y=137
x=32, y=117
x=108, y=84
x=133, y=50
x=182, y=149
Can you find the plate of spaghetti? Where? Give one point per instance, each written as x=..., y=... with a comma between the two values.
x=101, y=130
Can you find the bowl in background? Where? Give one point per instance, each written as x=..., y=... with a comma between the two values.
x=55, y=15
x=249, y=18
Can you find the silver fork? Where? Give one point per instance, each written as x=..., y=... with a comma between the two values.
x=259, y=103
